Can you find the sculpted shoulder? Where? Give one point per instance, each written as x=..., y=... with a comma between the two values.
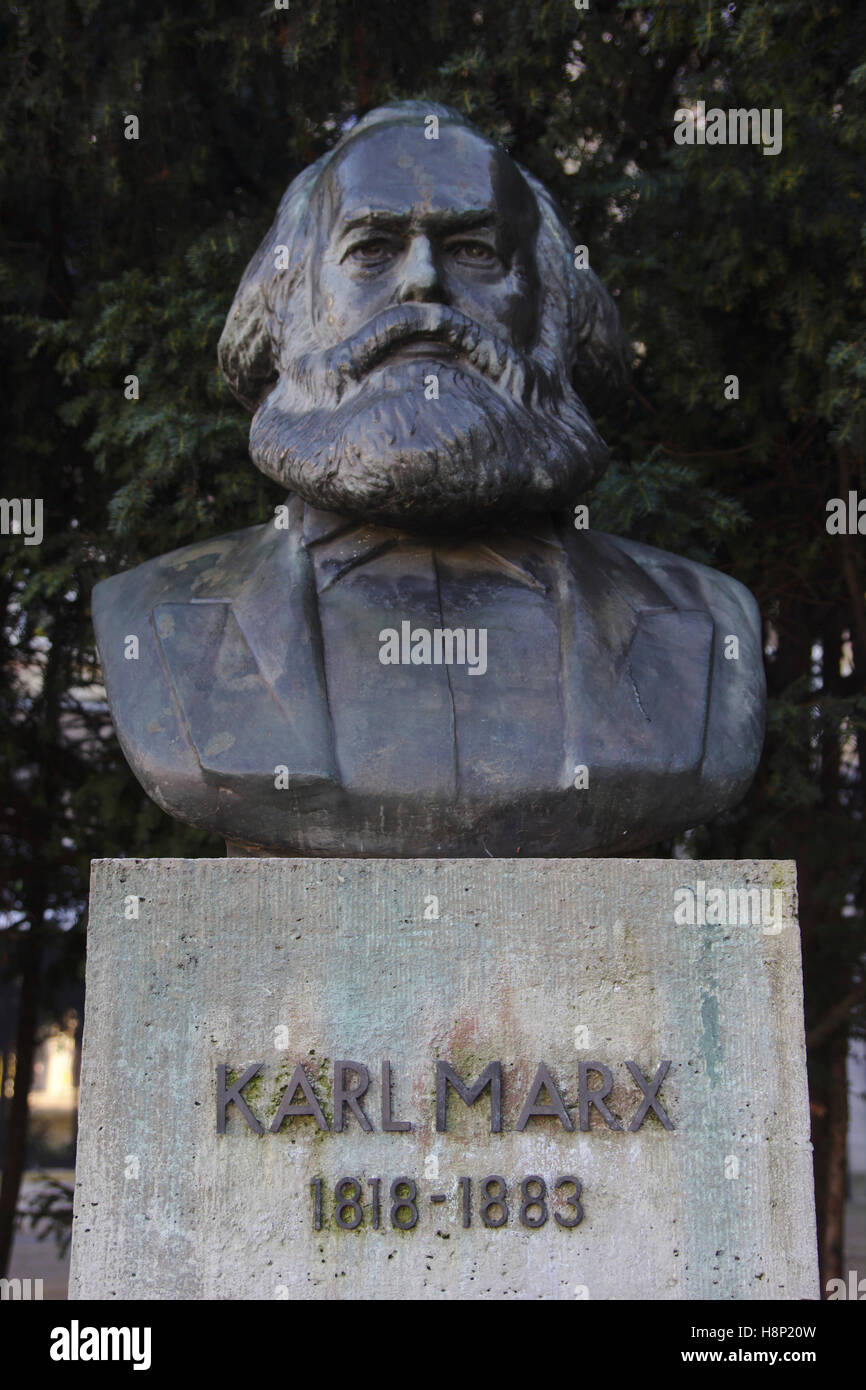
x=737, y=696
x=144, y=709
x=690, y=583
x=207, y=569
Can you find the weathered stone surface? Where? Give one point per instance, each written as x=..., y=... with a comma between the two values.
x=562, y=961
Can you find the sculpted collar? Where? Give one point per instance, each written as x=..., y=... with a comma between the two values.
x=341, y=545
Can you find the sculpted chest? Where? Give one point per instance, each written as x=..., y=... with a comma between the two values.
x=325, y=697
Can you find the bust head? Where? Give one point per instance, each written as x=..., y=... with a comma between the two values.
x=413, y=337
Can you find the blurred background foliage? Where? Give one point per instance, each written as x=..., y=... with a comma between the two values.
x=121, y=257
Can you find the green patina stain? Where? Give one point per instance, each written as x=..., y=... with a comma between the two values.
x=779, y=878
x=322, y=1083
x=281, y=1080
x=712, y=1046
x=254, y=1090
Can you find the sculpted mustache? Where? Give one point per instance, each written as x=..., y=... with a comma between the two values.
x=349, y=362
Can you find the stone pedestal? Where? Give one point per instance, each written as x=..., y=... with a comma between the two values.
x=642, y=1130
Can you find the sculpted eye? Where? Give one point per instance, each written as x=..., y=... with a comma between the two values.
x=373, y=251
x=476, y=253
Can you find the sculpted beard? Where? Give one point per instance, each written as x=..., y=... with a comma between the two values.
x=351, y=430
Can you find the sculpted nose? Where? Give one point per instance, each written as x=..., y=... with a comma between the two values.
x=419, y=279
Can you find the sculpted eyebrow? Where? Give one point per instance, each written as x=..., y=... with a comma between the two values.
x=381, y=218
x=472, y=220
x=385, y=219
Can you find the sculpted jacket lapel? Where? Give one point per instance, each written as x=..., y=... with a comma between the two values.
x=254, y=653
x=621, y=643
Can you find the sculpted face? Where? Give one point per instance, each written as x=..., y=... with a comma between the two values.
x=411, y=392
x=455, y=227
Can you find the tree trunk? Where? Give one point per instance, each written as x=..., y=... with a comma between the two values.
x=830, y=1139
x=16, y=1132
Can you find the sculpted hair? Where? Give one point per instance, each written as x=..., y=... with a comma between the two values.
x=579, y=330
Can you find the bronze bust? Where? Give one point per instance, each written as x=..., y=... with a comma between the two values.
x=420, y=655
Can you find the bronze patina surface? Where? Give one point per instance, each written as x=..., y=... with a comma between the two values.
x=421, y=655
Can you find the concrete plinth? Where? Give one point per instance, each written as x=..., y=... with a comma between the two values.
x=670, y=989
